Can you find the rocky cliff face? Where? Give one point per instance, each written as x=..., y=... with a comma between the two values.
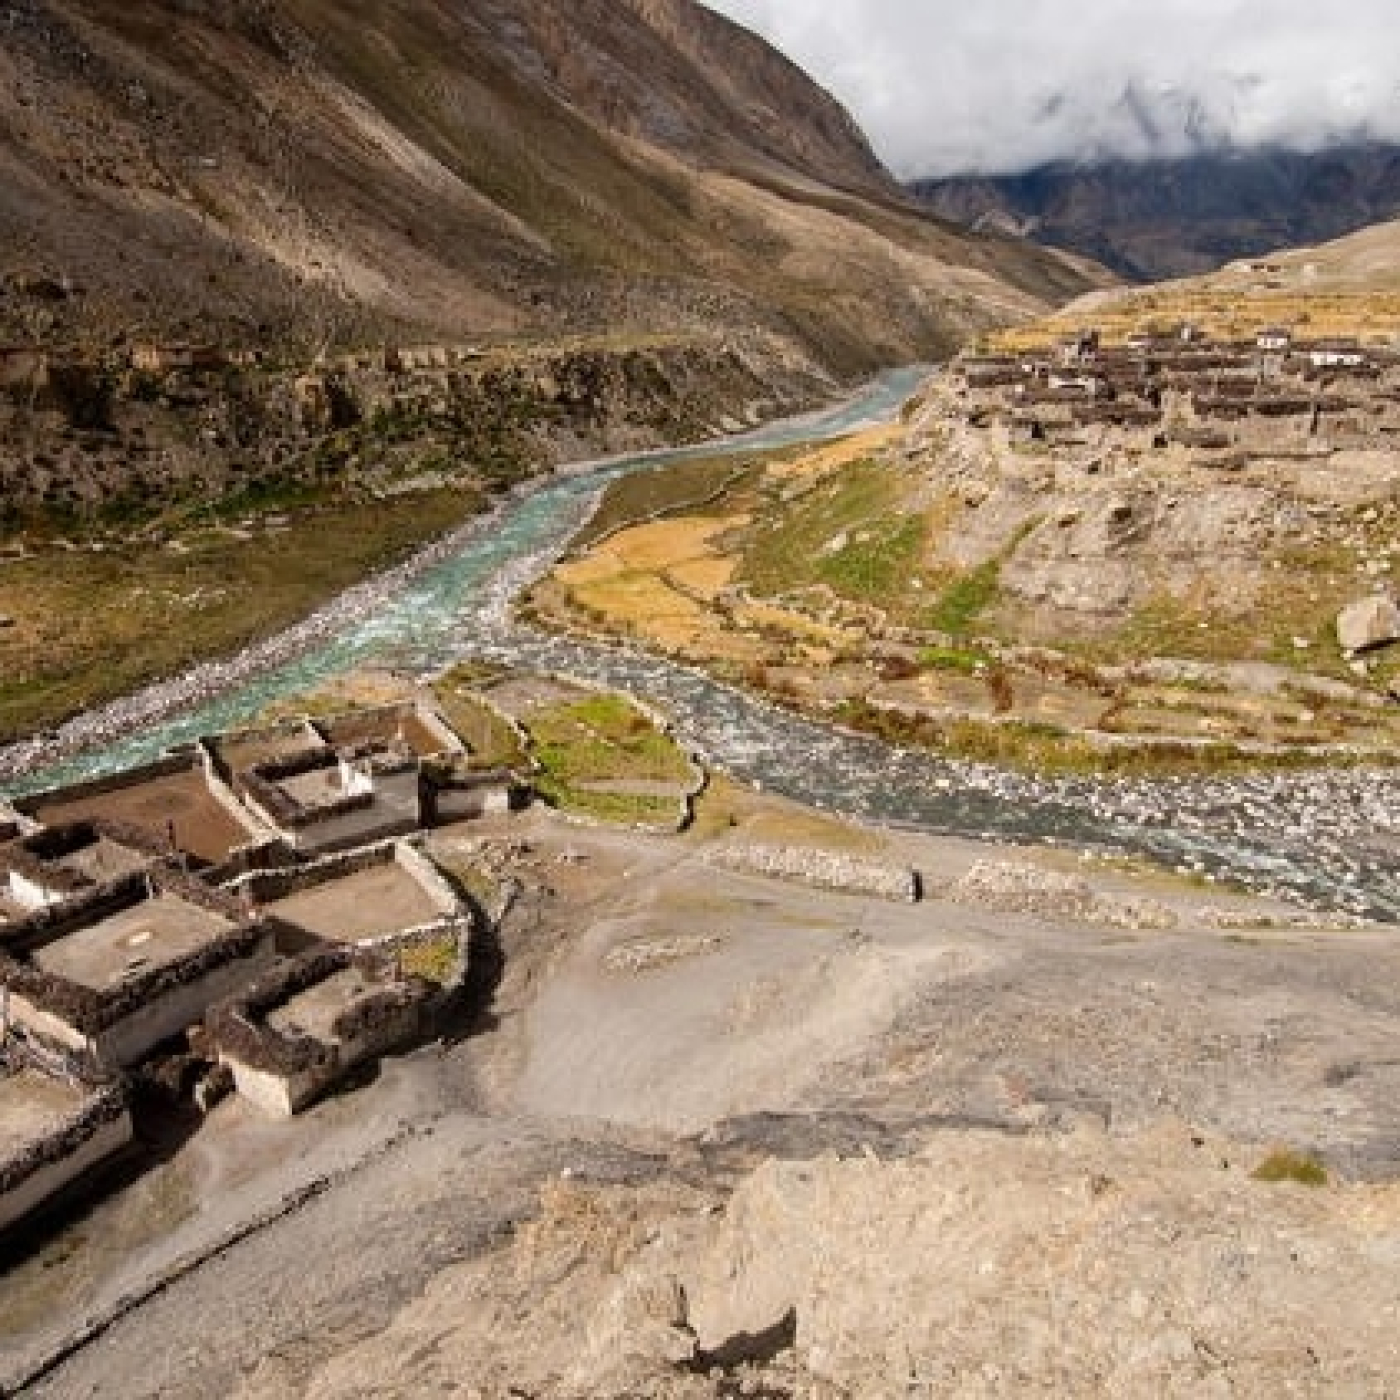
x=118, y=438
x=1171, y=218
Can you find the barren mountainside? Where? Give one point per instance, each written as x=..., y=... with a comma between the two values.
x=303, y=172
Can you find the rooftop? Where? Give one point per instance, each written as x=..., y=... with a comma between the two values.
x=32, y=1106
x=372, y=903
x=154, y=933
x=182, y=801
x=104, y=860
x=80, y=855
x=316, y=787
x=315, y=1011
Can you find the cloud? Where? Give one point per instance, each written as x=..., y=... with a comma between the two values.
x=996, y=86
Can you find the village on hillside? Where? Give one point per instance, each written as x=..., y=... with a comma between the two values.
x=1225, y=402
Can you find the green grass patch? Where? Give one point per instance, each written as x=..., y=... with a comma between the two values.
x=433, y=961
x=1048, y=749
x=965, y=600
x=604, y=738
x=491, y=742
x=879, y=561
x=1286, y=1165
x=93, y=626
x=652, y=494
x=964, y=663
x=589, y=750
x=619, y=808
x=847, y=533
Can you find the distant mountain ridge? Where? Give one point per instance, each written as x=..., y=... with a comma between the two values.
x=1157, y=219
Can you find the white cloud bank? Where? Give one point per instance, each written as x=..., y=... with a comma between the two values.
x=952, y=86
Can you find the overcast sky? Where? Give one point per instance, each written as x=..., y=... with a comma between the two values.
x=949, y=86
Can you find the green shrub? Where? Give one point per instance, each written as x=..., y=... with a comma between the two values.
x=1287, y=1165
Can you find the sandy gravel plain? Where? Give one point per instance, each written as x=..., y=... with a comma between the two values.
x=667, y=1032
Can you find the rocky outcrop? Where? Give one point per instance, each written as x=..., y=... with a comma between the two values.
x=986, y=1264
x=1370, y=623
x=386, y=419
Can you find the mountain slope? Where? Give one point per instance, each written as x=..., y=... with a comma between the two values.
x=301, y=172
x=1172, y=218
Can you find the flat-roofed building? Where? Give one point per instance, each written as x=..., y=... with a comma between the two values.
x=303, y=1027
x=53, y=865
x=176, y=801
x=115, y=972
x=54, y=1129
x=377, y=896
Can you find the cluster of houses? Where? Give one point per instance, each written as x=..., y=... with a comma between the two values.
x=1275, y=394
x=258, y=903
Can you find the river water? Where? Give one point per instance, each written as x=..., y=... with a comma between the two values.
x=1330, y=839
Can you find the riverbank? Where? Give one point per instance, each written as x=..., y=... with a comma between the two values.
x=344, y=628
x=1326, y=839
x=806, y=578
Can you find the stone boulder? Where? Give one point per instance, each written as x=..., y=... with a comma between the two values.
x=1372, y=622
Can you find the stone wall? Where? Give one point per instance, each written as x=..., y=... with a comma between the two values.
x=168, y=767
x=178, y=1007
x=829, y=870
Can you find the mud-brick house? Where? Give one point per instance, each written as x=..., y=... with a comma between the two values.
x=388, y=895
x=456, y=793
x=451, y=788
x=1274, y=340
x=53, y=865
x=56, y=1126
x=327, y=800
x=335, y=783
x=177, y=800
x=300, y=1029
x=1336, y=354
x=1081, y=348
x=114, y=972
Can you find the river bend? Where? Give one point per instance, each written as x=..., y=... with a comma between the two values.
x=1331, y=839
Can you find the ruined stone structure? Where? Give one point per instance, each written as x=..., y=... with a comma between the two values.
x=56, y=1126
x=247, y=878
x=113, y=972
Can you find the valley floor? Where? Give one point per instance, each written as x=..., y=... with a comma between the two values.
x=722, y=1133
